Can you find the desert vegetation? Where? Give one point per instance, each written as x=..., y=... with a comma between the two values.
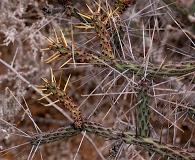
x=97, y=79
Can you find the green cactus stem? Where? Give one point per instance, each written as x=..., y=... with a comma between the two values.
x=170, y=70
x=48, y=137
x=149, y=144
x=143, y=112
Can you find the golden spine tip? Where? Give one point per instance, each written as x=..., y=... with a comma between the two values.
x=59, y=82
x=45, y=49
x=45, y=80
x=85, y=16
x=50, y=104
x=53, y=79
x=56, y=35
x=45, y=96
x=49, y=39
x=65, y=63
x=67, y=83
x=63, y=39
x=111, y=14
x=40, y=86
x=84, y=26
x=99, y=7
x=89, y=8
x=53, y=57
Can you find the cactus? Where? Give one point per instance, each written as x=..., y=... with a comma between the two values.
x=53, y=89
x=59, y=134
x=99, y=22
x=141, y=139
x=148, y=144
x=109, y=30
x=181, y=70
x=143, y=112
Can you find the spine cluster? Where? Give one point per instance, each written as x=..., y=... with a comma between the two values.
x=65, y=101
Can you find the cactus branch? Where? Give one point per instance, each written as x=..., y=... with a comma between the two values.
x=143, y=111
x=149, y=144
